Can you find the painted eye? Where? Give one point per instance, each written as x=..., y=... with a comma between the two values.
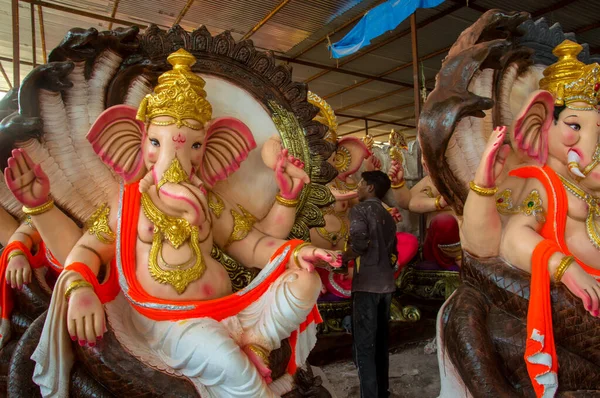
x=196, y=145
x=574, y=126
x=154, y=142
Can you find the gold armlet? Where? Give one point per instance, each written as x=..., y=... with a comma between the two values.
x=76, y=285
x=98, y=225
x=34, y=211
x=481, y=190
x=399, y=185
x=242, y=225
x=562, y=267
x=260, y=352
x=15, y=253
x=216, y=204
x=286, y=202
x=297, y=251
x=438, y=206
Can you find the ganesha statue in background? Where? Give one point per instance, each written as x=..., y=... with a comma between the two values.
x=524, y=322
x=177, y=273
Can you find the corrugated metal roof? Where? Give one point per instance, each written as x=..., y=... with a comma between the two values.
x=298, y=25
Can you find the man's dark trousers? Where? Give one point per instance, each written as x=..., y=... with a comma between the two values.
x=370, y=330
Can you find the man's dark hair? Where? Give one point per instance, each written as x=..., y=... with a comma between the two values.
x=379, y=180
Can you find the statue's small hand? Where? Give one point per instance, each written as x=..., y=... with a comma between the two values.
x=290, y=175
x=493, y=159
x=396, y=215
x=26, y=179
x=310, y=256
x=18, y=272
x=584, y=286
x=85, y=317
x=372, y=163
x=396, y=172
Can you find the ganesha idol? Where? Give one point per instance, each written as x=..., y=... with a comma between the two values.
x=525, y=320
x=351, y=155
x=167, y=300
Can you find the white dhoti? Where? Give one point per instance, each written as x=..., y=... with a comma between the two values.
x=209, y=352
x=204, y=350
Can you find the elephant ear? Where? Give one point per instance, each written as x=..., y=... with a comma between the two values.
x=530, y=133
x=226, y=145
x=350, y=154
x=116, y=137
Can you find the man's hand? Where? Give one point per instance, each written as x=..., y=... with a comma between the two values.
x=309, y=256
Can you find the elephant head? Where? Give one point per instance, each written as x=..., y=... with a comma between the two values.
x=560, y=124
x=172, y=142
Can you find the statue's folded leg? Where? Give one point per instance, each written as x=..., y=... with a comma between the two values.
x=202, y=350
x=280, y=311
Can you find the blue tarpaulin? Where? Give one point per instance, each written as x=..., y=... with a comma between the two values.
x=385, y=17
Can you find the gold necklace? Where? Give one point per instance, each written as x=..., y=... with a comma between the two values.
x=336, y=236
x=593, y=210
x=176, y=231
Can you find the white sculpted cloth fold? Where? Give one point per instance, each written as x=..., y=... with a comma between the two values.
x=204, y=350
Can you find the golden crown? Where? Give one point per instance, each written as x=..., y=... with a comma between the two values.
x=570, y=80
x=179, y=94
x=325, y=116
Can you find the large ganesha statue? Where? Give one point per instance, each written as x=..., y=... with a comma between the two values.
x=182, y=270
x=519, y=163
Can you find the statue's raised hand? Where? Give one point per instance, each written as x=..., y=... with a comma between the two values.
x=396, y=172
x=309, y=256
x=85, y=317
x=372, y=163
x=396, y=215
x=493, y=159
x=18, y=272
x=26, y=179
x=290, y=175
x=584, y=286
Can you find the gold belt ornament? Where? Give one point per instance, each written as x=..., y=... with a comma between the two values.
x=177, y=231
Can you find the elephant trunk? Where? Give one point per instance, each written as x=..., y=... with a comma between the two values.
x=179, y=196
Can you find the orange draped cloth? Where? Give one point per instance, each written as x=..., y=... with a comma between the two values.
x=540, y=350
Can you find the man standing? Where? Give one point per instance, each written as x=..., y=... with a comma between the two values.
x=372, y=243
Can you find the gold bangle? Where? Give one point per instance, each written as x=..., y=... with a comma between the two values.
x=76, y=285
x=562, y=267
x=438, y=199
x=286, y=202
x=296, y=251
x=260, y=352
x=34, y=211
x=15, y=253
x=399, y=185
x=481, y=190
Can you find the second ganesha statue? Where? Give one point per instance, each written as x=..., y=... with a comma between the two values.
x=166, y=299
x=519, y=165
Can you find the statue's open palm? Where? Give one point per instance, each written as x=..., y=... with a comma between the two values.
x=493, y=159
x=26, y=179
x=309, y=257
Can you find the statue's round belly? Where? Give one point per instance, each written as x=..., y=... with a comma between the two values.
x=213, y=283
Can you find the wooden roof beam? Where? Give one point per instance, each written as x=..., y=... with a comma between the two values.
x=183, y=11
x=339, y=70
x=263, y=21
x=394, y=108
x=391, y=122
x=396, y=69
